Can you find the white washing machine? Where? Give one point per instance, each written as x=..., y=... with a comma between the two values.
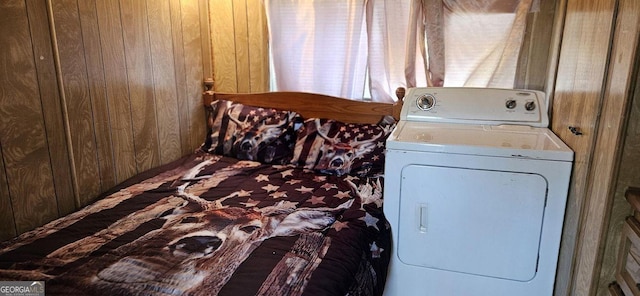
x=475, y=192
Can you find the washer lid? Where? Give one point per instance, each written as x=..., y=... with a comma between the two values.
x=488, y=140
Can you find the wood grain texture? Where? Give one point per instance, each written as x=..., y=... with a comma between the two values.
x=50, y=99
x=223, y=45
x=7, y=221
x=164, y=86
x=313, y=105
x=22, y=132
x=533, y=63
x=239, y=37
x=98, y=93
x=579, y=83
x=180, y=82
x=205, y=35
x=140, y=82
x=241, y=41
x=603, y=172
x=113, y=87
x=115, y=74
x=192, y=42
x=614, y=290
x=76, y=96
x=628, y=176
x=258, y=43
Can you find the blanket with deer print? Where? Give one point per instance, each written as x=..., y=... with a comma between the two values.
x=213, y=225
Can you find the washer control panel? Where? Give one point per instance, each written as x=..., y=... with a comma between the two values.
x=492, y=106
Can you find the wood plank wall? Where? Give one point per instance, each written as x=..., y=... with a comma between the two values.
x=100, y=91
x=240, y=46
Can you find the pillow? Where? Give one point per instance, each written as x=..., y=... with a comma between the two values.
x=338, y=148
x=251, y=133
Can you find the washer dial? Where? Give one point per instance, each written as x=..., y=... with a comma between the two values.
x=426, y=102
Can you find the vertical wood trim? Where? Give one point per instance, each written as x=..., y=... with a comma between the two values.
x=223, y=45
x=194, y=75
x=258, y=46
x=50, y=99
x=205, y=34
x=115, y=74
x=97, y=92
x=180, y=74
x=22, y=131
x=66, y=22
x=554, y=56
x=164, y=80
x=140, y=81
x=531, y=73
x=7, y=220
x=578, y=91
x=604, y=166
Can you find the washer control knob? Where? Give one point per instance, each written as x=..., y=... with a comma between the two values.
x=530, y=106
x=510, y=104
x=426, y=102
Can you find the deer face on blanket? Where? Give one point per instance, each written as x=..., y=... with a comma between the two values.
x=202, y=243
x=255, y=136
x=338, y=156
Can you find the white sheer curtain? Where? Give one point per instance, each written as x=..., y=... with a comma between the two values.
x=470, y=43
x=327, y=46
x=318, y=46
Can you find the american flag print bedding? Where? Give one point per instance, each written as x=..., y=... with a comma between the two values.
x=214, y=225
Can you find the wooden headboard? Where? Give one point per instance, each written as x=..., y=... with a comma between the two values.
x=311, y=105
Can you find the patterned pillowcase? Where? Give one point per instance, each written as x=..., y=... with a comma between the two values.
x=251, y=133
x=338, y=148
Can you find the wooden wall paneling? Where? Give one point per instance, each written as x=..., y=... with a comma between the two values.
x=223, y=45
x=164, y=80
x=577, y=97
x=50, y=98
x=258, y=46
x=22, y=131
x=205, y=34
x=76, y=96
x=621, y=80
x=98, y=93
x=192, y=42
x=180, y=74
x=135, y=30
x=628, y=176
x=241, y=38
x=7, y=223
x=115, y=75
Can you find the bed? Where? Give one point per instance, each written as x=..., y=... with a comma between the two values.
x=283, y=198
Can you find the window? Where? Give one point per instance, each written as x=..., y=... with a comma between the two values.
x=346, y=47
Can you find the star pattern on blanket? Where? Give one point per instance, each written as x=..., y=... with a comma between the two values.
x=375, y=250
x=270, y=188
x=279, y=194
x=261, y=178
x=316, y=200
x=250, y=203
x=370, y=221
x=339, y=225
x=343, y=194
x=304, y=189
x=286, y=186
